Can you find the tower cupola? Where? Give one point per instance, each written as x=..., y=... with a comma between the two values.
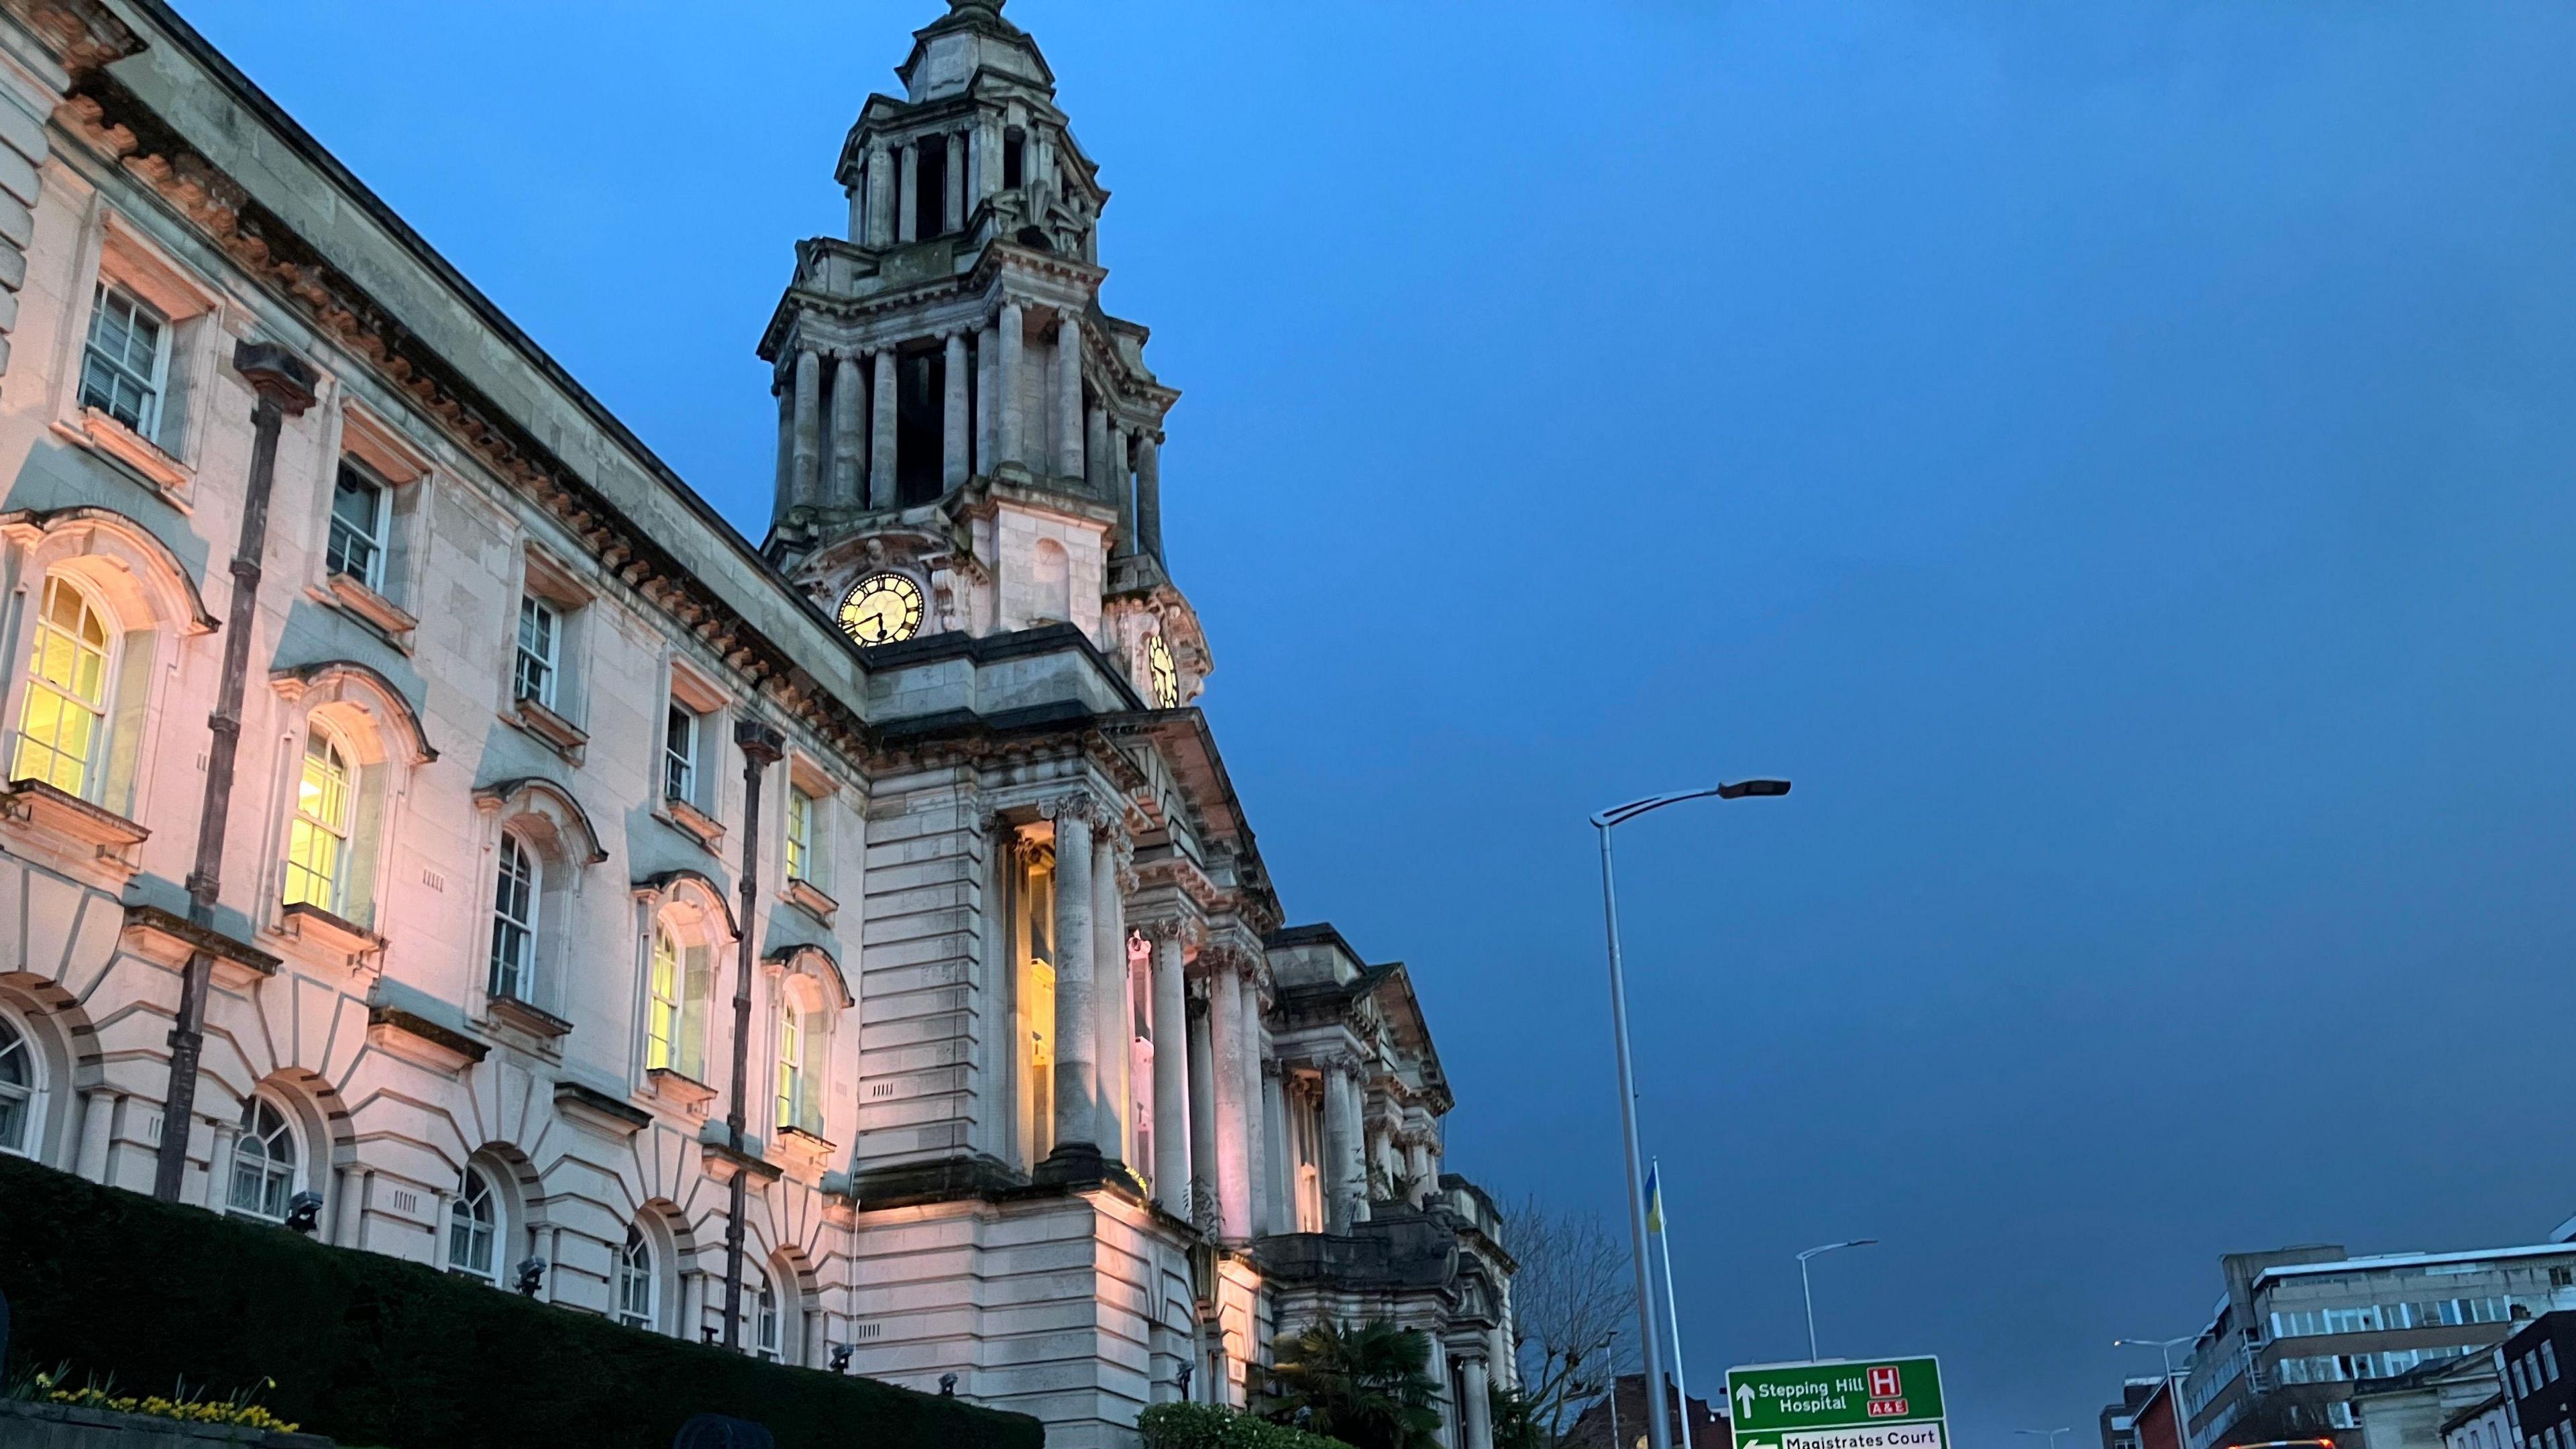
x=960, y=422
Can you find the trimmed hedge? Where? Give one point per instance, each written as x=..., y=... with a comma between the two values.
x=372, y=1350
x=1205, y=1426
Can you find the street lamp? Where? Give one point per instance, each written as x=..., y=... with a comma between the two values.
x=2049, y=1434
x=2173, y=1383
x=1659, y=1436
x=1809, y=1289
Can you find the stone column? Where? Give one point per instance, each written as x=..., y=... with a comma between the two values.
x=1007, y=406
x=785, y=387
x=1202, y=1054
x=1256, y=1138
x=907, y=207
x=859, y=212
x=1149, y=496
x=988, y=381
x=1276, y=1201
x=1225, y=1034
x=809, y=422
x=1068, y=397
x=849, y=428
x=1476, y=1413
x=958, y=464
x=1077, y=1072
x=880, y=196
x=1172, y=1125
x=1122, y=491
x=881, y=457
x=1339, y=1147
x=1116, y=1017
x=956, y=181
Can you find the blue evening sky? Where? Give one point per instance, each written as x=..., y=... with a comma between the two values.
x=2114, y=455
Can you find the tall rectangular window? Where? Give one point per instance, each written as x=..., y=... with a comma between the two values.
x=540, y=648
x=680, y=755
x=357, y=547
x=800, y=835
x=514, y=922
x=662, y=1014
x=124, y=367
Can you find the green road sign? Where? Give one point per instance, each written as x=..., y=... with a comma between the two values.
x=1865, y=1404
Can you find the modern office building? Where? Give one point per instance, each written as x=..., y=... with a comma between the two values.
x=2299, y=1331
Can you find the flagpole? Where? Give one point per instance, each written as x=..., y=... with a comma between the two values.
x=1672, y=1309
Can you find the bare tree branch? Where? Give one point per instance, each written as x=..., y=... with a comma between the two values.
x=1573, y=1309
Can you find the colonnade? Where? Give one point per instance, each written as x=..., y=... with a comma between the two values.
x=839, y=424
x=1211, y=1119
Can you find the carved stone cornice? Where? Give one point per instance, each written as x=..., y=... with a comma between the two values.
x=82, y=34
x=120, y=127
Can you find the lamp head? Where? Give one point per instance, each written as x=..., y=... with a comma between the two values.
x=1752, y=789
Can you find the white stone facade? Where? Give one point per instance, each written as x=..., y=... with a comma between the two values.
x=1036, y=1091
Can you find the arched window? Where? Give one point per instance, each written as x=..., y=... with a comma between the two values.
x=473, y=1225
x=764, y=1314
x=17, y=1091
x=635, y=1280
x=62, y=724
x=263, y=1162
x=317, y=840
x=514, y=922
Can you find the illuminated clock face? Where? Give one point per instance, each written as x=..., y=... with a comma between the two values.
x=883, y=608
x=1163, y=678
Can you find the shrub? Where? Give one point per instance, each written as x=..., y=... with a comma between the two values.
x=372, y=1350
x=1205, y=1426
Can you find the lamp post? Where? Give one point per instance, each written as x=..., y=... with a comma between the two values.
x=1658, y=1435
x=2049, y=1434
x=2173, y=1383
x=1807, y=1287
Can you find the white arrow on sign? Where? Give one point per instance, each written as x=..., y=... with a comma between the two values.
x=1744, y=1398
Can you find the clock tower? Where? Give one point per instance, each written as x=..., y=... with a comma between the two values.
x=968, y=444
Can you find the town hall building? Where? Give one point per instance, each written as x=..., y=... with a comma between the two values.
x=428, y=824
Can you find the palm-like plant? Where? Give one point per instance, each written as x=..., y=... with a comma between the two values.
x=1369, y=1385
